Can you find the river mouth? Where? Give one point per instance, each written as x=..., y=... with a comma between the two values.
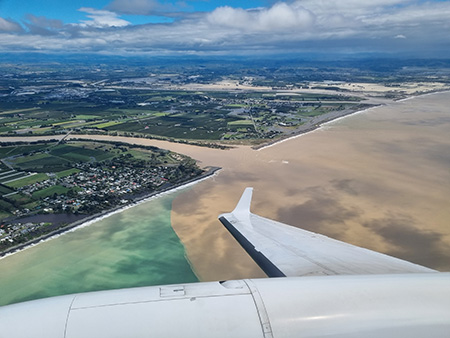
x=377, y=179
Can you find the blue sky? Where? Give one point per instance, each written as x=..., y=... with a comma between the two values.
x=67, y=11
x=413, y=27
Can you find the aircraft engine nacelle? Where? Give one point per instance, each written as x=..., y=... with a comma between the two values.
x=410, y=305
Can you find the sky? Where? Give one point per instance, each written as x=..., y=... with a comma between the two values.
x=215, y=27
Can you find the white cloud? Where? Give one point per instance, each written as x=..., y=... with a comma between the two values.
x=278, y=17
x=102, y=18
x=304, y=25
x=7, y=25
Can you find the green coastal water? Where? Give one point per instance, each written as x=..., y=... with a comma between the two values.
x=136, y=247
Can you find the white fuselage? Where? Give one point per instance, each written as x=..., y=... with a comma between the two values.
x=404, y=305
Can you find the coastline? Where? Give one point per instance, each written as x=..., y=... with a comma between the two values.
x=312, y=128
x=320, y=124
x=91, y=219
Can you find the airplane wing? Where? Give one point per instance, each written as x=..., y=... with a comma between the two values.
x=282, y=250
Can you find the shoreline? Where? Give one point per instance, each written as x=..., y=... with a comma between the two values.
x=320, y=124
x=91, y=219
x=312, y=128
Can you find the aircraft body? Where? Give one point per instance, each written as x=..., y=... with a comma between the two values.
x=326, y=288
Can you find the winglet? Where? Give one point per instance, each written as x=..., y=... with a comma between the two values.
x=242, y=209
x=239, y=224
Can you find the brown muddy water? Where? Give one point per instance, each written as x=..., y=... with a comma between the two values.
x=378, y=179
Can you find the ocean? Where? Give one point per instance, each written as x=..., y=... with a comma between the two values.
x=136, y=247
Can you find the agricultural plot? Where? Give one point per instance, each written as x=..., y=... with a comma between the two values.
x=182, y=126
x=41, y=162
x=20, y=150
x=240, y=123
x=50, y=191
x=27, y=180
x=174, y=114
x=20, y=198
x=4, y=190
x=67, y=172
x=10, y=176
x=77, y=154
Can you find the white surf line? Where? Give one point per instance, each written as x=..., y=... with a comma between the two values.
x=425, y=94
x=352, y=114
x=319, y=128
x=99, y=218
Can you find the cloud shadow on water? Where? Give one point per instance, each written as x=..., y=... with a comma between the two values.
x=409, y=242
x=323, y=215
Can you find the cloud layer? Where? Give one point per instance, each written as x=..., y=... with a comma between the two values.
x=393, y=26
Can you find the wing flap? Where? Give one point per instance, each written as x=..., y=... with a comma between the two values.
x=283, y=250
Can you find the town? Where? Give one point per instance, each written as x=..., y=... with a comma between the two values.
x=33, y=204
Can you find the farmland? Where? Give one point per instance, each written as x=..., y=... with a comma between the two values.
x=207, y=116
x=232, y=102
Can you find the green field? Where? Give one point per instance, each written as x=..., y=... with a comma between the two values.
x=56, y=189
x=20, y=198
x=12, y=176
x=67, y=172
x=19, y=150
x=105, y=124
x=23, y=160
x=87, y=117
x=28, y=180
x=241, y=123
x=47, y=163
x=4, y=214
x=5, y=190
x=164, y=113
x=80, y=153
x=16, y=111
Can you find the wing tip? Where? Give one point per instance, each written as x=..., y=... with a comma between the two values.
x=243, y=206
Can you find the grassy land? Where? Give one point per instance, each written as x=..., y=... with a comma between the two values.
x=16, y=111
x=42, y=162
x=21, y=198
x=5, y=190
x=241, y=123
x=13, y=176
x=67, y=172
x=50, y=191
x=28, y=180
x=19, y=150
